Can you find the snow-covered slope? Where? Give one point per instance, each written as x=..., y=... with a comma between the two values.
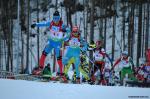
x=19, y=89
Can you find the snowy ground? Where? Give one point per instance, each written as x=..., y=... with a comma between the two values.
x=19, y=89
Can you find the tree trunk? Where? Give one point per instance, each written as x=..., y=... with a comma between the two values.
x=56, y=5
x=147, y=27
x=38, y=34
x=113, y=35
x=143, y=33
x=123, y=29
x=139, y=35
x=22, y=50
x=84, y=20
x=92, y=27
x=131, y=30
x=27, y=50
x=22, y=4
x=69, y=16
x=11, y=45
x=1, y=46
x=86, y=26
x=105, y=33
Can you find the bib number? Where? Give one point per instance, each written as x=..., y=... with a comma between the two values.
x=98, y=56
x=74, y=42
x=55, y=33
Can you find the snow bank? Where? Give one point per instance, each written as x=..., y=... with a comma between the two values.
x=19, y=89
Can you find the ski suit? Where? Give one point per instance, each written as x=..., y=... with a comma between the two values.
x=126, y=66
x=99, y=57
x=73, y=53
x=146, y=70
x=56, y=36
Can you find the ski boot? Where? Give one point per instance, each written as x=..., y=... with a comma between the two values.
x=37, y=71
x=84, y=80
x=103, y=82
x=92, y=80
x=77, y=80
x=64, y=78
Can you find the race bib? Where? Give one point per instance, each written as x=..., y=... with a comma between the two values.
x=124, y=63
x=74, y=42
x=55, y=34
x=55, y=28
x=98, y=56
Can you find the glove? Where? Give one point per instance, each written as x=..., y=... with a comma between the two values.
x=68, y=30
x=64, y=28
x=33, y=25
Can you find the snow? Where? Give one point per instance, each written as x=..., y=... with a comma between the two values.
x=20, y=89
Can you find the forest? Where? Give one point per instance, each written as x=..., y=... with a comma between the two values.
x=121, y=24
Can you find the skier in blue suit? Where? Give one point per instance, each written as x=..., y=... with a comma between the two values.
x=76, y=44
x=58, y=32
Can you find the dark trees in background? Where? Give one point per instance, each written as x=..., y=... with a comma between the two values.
x=27, y=32
x=139, y=34
x=147, y=26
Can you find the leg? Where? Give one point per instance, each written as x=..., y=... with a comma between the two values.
x=77, y=63
x=59, y=58
x=94, y=71
x=48, y=48
x=101, y=68
x=67, y=66
x=84, y=72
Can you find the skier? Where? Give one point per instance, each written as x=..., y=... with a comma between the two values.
x=76, y=43
x=99, y=57
x=146, y=67
x=126, y=65
x=58, y=33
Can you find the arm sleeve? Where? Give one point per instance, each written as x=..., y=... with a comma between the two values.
x=67, y=33
x=42, y=24
x=109, y=59
x=118, y=60
x=84, y=44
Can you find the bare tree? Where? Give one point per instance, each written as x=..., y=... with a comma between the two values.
x=38, y=34
x=139, y=34
x=131, y=30
x=147, y=26
x=92, y=25
x=113, y=34
x=28, y=34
